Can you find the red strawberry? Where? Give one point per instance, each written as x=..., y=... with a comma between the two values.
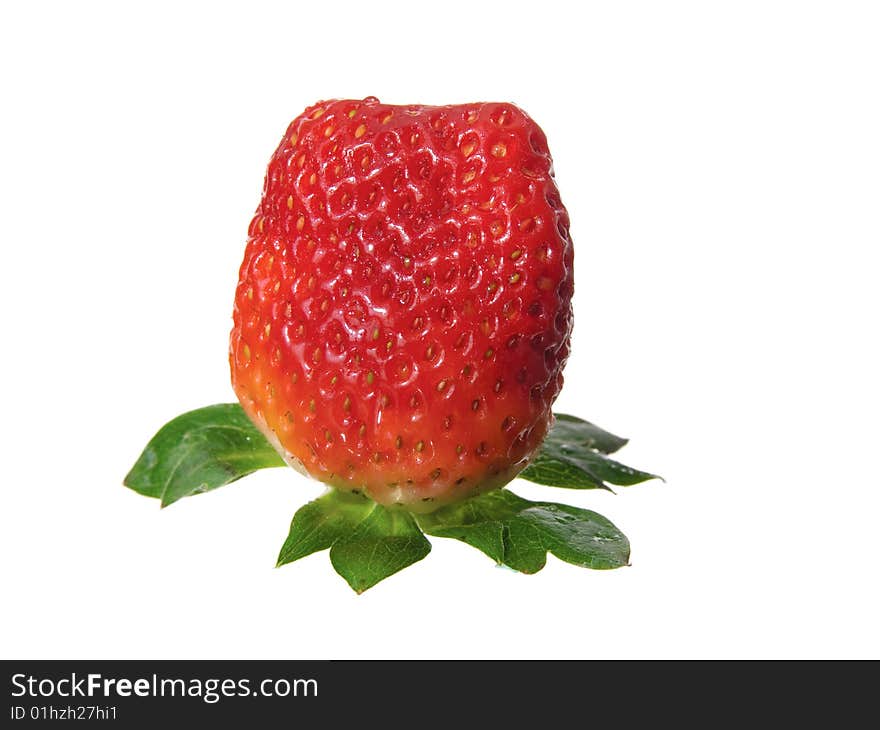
x=404, y=305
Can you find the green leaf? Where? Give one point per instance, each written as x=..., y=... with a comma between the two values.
x=573, y=430
x=320, y=523
x=573, y=456
x=198, y=451
x=577, y=536
x=519, y=533
x=478, y=521
x=367, y=542
x=385, y=542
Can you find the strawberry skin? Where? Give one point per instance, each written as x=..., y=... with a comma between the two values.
x=403, y=311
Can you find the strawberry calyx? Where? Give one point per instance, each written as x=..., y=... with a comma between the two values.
x=210, y=447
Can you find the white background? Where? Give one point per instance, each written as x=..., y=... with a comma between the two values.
x=721, y=164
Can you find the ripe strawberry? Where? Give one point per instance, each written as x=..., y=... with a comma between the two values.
x=404, y=305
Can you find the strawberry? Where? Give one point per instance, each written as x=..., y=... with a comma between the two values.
x=403, y=312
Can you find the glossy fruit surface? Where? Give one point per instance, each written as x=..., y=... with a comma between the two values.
x=403, y=311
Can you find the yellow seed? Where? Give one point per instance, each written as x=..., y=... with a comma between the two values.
x=312, y=405
x=267, y=329
x=387, y=118
x=370, y=377
x=352, y=112
x=300, y=223
x=293, y=139
x=488, y=354
x=499, y=149
x=441, y=386
x=290, y=202
x=468, y=177
x=327, y=434
x=398, y=442
x=516, y=254
x=313, y=179
x=467, y=148
x=514, y=278
x=261, y=224
x=250, y=292
x=360, y=131
x=420, y=446
x=376, y=333
x=246, y=351
x=317, y=113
